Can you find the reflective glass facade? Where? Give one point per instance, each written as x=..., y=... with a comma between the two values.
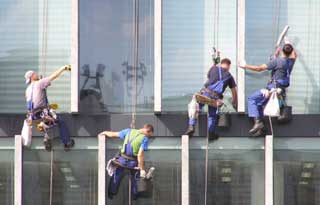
x=6, y=171
x=22, y=49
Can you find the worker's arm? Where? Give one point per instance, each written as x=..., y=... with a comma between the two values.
x=58, y=72
x=234, y=97
x=110, y=134
x=257, y=68
x=140, y=158
x=293, y=55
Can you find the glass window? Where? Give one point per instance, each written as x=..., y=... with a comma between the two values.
x=22, y=48
x=7, y=171
x=235, y=171
x=188, y=35
x=74, y=174
x=264, y=22
x=165, y=155
x=296, y=170
x=107, y=55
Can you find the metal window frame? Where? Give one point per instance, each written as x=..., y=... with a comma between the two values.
x=157, y=56
x=74, y=106
x=241, y=53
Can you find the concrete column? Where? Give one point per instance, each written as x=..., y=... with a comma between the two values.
x=74, y=56
x=157, y=55
x=269, y=170
x=102, y=170
x=185, y=190
x=18, y=170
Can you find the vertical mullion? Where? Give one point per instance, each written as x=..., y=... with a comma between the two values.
x=74, y=56
x=101, y=170
x=269, y=170
x=157, y=55
x=18, y=170
x=241, y=54
x=185, y=170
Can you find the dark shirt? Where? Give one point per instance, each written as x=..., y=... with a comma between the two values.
x=213, y=77
x=278, y=67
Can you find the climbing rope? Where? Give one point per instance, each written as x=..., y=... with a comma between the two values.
x=51, y=176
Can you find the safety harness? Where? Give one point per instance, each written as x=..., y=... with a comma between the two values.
x=216, y=89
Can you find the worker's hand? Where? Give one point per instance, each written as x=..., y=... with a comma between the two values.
x=286, y=40
x=103, y=133
x=242, y=64
x=235, y=105
x=67, y=67
x=143, y=174
x=265, y=93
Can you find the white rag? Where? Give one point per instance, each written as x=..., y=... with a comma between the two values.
x=111, y=168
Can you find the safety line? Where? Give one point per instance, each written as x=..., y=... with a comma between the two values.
x=51, y=176
x=206, y=164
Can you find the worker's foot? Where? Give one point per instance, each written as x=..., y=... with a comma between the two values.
x=213, y=136
x=190, y=131
x=47, y=144
x=134, y=197
x=68, y=146
x=259, y=133
x=110, y=195
x=258, y=125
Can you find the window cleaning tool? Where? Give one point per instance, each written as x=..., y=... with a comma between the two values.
x=282, y=35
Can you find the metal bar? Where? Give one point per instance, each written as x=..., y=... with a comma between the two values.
x=157, y=56
x=269, y=170
x=102, y=170
x=185, y=170
x=241, y=54
x=18, y=170
x=74, y=56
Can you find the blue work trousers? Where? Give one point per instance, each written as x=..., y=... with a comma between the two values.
x=119, y=173
x=212, y=118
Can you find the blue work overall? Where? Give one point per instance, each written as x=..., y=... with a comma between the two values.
x=217, y=88
x=63, y=129
x=119, y=172
x=257, y=101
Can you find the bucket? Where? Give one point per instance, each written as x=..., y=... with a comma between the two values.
x=144, y=187
x=224, y=117
x=285, y=114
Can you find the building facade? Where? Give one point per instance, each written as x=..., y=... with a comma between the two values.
x=149, y=57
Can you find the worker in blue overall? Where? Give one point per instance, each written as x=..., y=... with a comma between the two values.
x=131, y=156
x=39, y=108
x=219, y=78
x=281, y=67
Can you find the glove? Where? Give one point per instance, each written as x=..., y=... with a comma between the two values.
x=286, y=40
x=142, y=173
x=242, y=63
x=265, y=93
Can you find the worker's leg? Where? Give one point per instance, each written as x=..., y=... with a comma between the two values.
x=255, y=110
x=115, y=181
x=212, y=122
x=133, y=176
x=64, y=133
x=193, y=116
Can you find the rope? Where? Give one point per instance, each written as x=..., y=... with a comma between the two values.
x=206, y=164
x=51, y=177
x=136, y=62
x=43, y=61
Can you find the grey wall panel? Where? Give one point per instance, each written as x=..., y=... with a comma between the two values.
x=168, y=124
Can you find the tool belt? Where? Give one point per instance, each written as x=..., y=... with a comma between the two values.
x=213, y=94
x=128, y=157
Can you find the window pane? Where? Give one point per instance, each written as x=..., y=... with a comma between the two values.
x=75, y=176
x=107, y=43
x=187, y=37
x=21, y=34
x=261, y=34
x=235, y=171
x=297, y=172
x=6, y=176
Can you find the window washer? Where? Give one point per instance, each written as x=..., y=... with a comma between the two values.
x=281, y=68
x=219, y=78
x=131, y=156
x=39, y=108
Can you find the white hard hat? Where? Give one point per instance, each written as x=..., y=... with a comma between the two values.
x=28, y=76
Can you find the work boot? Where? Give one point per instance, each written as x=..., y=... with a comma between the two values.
x=47, y=144
x=259, y=133
x=213, y=136
x=190, y=131
x=258, y=125
x=68, y=146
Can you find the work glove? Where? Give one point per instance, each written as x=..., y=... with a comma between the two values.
x=142, y=173
x=286, y=40
x=265, y=93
